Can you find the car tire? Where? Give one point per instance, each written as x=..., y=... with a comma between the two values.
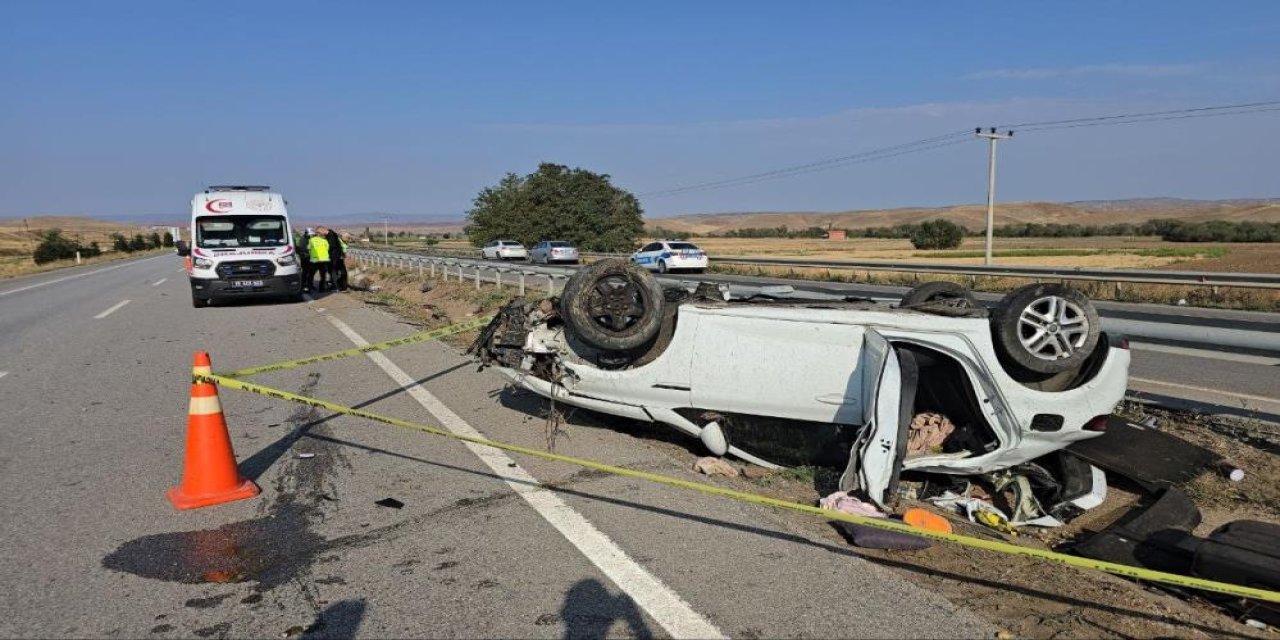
x=612, y=305
x=1046, y=328
x=662, y=266
x=947, y=294
x=198, y=302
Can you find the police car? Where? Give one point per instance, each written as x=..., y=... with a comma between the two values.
x=670, y=255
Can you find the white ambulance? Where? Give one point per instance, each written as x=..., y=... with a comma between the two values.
x=241, y=246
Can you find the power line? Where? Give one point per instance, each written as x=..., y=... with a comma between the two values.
x=950, y=139
x=1225, y=107
x=874, y=154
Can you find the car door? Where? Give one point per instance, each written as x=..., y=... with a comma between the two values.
x=647, y=256
x=889, y=386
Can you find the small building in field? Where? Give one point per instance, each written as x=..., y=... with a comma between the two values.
x=837, y=234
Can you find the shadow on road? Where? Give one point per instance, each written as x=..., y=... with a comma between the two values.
x=589, y=611
x=339, y=620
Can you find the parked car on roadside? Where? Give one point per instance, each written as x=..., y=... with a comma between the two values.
x=671, y=255
x=780, y=379
x=549, y=251
x=504, y=250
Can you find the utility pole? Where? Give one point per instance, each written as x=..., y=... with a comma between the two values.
x=386, y=237
x=992, y=136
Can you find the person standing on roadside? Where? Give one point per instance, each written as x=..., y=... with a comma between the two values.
x=318, y=246
x=337, y=259
x=301, y=245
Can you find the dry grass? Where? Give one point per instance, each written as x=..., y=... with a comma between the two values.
x=18, y=240
x=22, y=265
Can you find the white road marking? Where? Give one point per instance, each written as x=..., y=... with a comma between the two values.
x=1230, y=394
x=3, y=373
x=115, y=307
x=1246, y=358
x=158, y=282
x=653, y=596
x=73, y=277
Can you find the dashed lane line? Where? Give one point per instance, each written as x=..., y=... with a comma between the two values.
x=78, y=275
x=1188, y=387
x=662, y=603
x=115, y=307
x=158, y=282
x=1246, y=358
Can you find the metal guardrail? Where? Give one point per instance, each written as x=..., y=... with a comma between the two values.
x=1134, y=276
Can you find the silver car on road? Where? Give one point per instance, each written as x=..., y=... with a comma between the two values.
x=549, y=251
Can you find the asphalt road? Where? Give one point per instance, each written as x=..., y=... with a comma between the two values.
x=95, y=369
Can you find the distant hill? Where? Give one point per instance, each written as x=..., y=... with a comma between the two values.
x=974, y=216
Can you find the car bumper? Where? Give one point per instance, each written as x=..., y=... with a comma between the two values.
x=281, y=285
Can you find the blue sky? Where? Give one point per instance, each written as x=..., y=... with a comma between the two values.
x=121, y=108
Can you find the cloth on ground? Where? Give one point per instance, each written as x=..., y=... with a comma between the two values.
x=864, y=536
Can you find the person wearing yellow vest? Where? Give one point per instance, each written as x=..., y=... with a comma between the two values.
x=318, y=247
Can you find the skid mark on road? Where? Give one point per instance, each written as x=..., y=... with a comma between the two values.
x=649, y=593
x=115, y=307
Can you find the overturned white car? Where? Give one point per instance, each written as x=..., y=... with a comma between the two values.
x=784, y=380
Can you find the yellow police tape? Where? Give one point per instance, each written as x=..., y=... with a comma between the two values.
x=879, y=523
x=425, y=336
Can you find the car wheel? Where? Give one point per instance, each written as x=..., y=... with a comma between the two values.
x=948, y=294
x=613, y=305
x=1046, y=328
x=662, y=266
x=198, y=302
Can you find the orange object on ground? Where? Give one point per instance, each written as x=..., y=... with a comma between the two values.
x=921, y=519
x=210, y=475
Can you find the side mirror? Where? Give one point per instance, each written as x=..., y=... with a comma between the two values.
x=184, y=249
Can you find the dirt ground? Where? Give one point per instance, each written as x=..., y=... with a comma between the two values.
x=1022, y=596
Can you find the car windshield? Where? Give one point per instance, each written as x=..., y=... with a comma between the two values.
x=213, y=232
x=683, y=246
x=560, y=243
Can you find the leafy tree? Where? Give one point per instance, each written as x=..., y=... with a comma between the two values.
x=138, y=243
x=937, y=234
x=556, y=202
x=120, y=243
x=167, y=240
x=92, y=250
x=154, y=240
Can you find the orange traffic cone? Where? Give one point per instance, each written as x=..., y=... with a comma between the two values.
x=210, y=475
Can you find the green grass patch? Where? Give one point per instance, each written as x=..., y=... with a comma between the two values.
x=1181, y=252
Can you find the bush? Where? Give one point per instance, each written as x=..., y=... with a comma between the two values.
x=53, y=246
x=120, y=243
x=167, y=240
x=937, y=234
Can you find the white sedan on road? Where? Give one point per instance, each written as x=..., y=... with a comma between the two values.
x=671, y=255
x=779, y=379
x=504, y=250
